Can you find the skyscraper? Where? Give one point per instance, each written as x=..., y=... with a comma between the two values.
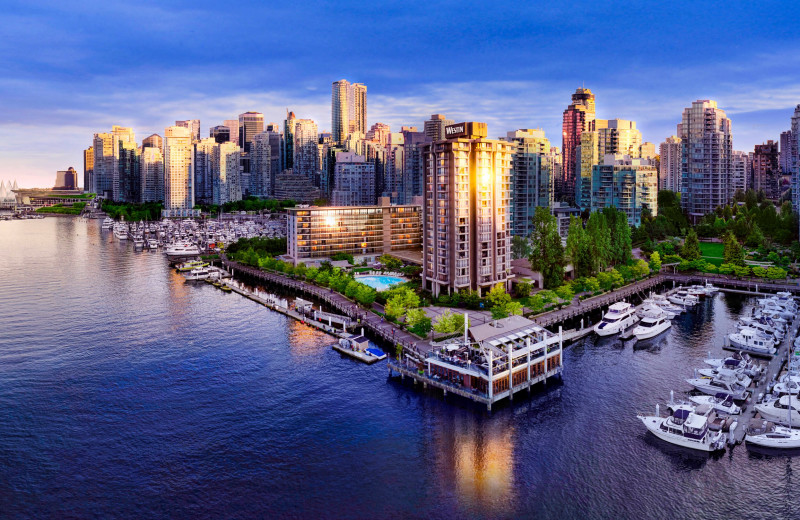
x=766, y=175
x=261, y=166
x=178, y=174
x=670, y=167
x=88, y=169
x=203, y=165
x=393, y=167
x=193, y=125
x=305, y=148
x=273, y=130
x=466, y=237
x=250, y=124
x=226, y=178
x=288, y=141
x=233, y=130
x=106, y=149
x=348, y=109
x=413, y=172
x=154, y=141
x=220, y=134
x=575, y=121
x=706, y=149
x=795, y=160
x=129, y=183
x=629, y=184
x=354, y=179
x=152, y=174
x=531, y=177
x=434, y=127
x=740, y=170
x=786, y=140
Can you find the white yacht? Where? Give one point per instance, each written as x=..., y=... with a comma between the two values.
x=664, y=303
x=698, y=291
x=710, y=289
x=108, y=223
x=650, y=327
x=717, y=386
x=619, y=317
x=722, y=403
x=777, y=410
x=685, y=428
x=761, y=326
x=683, y=298
x=752, y=342
x=764, y=433
x=199, y=273
x=651, y=310
x=738, y=361
x=121, y=231
x=726, y=373
x=786, y=388
x=182, y=249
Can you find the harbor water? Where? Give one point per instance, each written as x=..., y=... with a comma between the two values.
x=126, y=392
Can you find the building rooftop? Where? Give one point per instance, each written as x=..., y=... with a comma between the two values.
x=504, y=329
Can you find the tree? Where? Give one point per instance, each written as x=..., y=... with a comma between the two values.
x=499, y=312
x=498, y=296
x=776, y=273
x=575, y=235
x=418, y=322
x=445, y=323
x=400, y=299
x=741, y=271
x=547, y=254
x=616, y=278
x=300, y=270
x=514, y=308
x=640, y=269
x=390, y=262
x=565, y=292
x=655, y=262
x=755, y=238
x=520, y=247
x=732, y=252
x=458, y=322
x=523, y=289
x=691, y=247
x=351, y=289
x=599, y=238
x=365, y=295
x=591, y=285
x=725, y=269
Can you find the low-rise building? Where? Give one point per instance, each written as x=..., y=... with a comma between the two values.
x=366, y=232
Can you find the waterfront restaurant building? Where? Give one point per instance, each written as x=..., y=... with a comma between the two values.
x=366, y=232
x=467, y=211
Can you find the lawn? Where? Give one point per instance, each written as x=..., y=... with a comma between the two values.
x=712, y=252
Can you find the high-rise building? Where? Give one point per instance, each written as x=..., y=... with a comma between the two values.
x=467, y=211
x=288, y=141
x=766, y=175
x=305, y=148
x=706, y=146
x=413, y=171
x=66, y=179
x=575, y=121
x=348, y=109
x=354, y=181
x=531, y=177
x=379, y=133
x=740, y=170
x=203, y=165
x=178, y=172
x=394, y=160
x=670, y=168
x=220, y=134
x=233, y=130
x=647, y=150
x=193, y=125
x=129, y=183
x=154, y=141
x=629, y=184
x=226, y=179
x=250, y=124
x=786, y=152
x=152, y=174
x=106, y=149
x=261, y=166
x=795, y=160
x=434, y=127
x=88, y=169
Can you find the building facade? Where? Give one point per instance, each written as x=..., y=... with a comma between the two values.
x=629, y=184
x=434, y=127
x=88, y=169
x=261, y=166
x=740, y=170
x=366, y=232
x=178, y=171
x=305, y=148
x=354, y=181
x=226, y=173
x=531, y=177
x=467, y=211
x=575, y=120
x=152, y=174
x=203, y=170
x=669, y=175
x=766, y=173
x=193, y=125
x=706, y=150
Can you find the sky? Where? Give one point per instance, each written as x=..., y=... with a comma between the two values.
x=72, y=69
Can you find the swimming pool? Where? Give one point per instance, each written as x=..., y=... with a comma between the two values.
x=380, y=282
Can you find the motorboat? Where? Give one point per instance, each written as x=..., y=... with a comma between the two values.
x=182, y=249
x=664, y=303
x=710, y=289
x=777, y=410
x=786, y=388
x=683, y=298
x=715, y=386
x=722, y=403
x=650, y=309
x=728, y=374
x=773, y=307
x=191, y=264
x=685, y=428
x=762, y=432
x=108, y=223
x=698, y=291
x=650, y=327
x=199, y=273
x=739, y=360
x=753, y=342
x=761, y=326
x=619, y=317
x=121, y=232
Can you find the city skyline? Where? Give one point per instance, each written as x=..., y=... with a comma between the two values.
x=517, y=78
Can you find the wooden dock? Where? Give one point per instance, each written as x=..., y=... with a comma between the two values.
x=357, y=354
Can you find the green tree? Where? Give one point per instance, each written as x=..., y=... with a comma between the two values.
x=390, y=262
x=301, y=270
x=565, y=292
x=591, y=285
x=365, y=295
x=755, y=238
x=523, y=289
x=351, y=289
x=418, y=322
x=640, y=269
x=741, y=271
x=498, y=296
x=514, y=308
x=776, y=273
x=759, y=271
x=520, y=247
x=725, y=269
x=599, y=241
x=547, y=254
x=655, y=262
x=732, y=252
x=691, y=247
x=499, y=312
x=445, y=323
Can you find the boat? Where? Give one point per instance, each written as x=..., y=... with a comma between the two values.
x=683, y=298
x=715, y=386
x=182, y=249
x=650, y=309
x=664, y=303
x=753, y=342
x=685, y=428
x=619, y=317
x=225, y=288
x=739, y=361
x=728, y=374
x=776, y=409
x=191, y=264
x=650, y=327
x=722, y=403
x=199, y=273
x=710, y=289
x=786, y=388
x=765, y=433
x=108, y=223
x=761, y=326
x=698, y=291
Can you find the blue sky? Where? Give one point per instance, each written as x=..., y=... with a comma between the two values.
x=72, y=70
